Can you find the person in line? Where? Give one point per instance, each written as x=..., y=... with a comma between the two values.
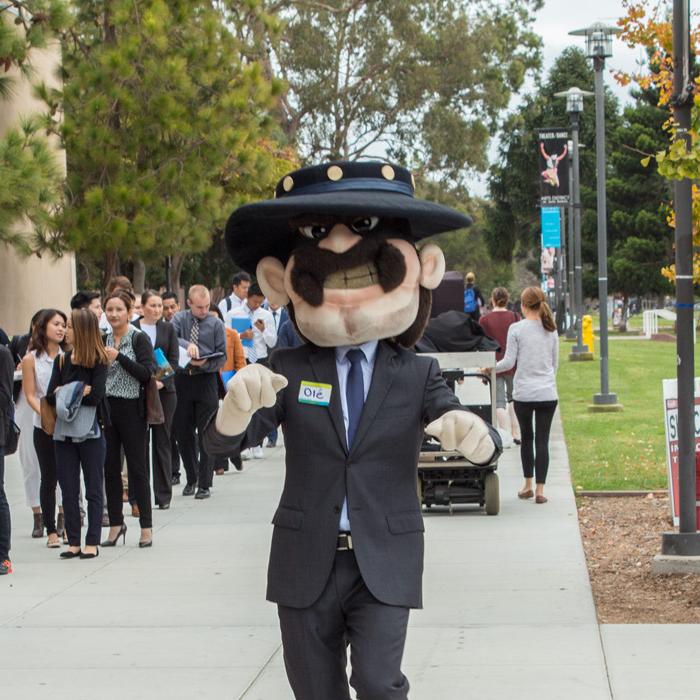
x=37, y=366
x=171, y=305
x=263, y=335
x=235, y=360
x=533, y=345
x=164, y=338
x=87, y=300
x=130, y=355
x=288, y=336
x=197, y=386
x=7, y=370
x=24, y=416
x=115, y=283
x=240, y=284
x=85, y=362
x=473, y=299
x=496, y=324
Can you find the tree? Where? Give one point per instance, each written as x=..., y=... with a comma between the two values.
x=639, y=203
x=165, y=128
x=647, y=24
x=513, y=219
x=30, y=176
x=420, y=82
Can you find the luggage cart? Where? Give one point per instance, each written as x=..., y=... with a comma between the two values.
x=446, y=478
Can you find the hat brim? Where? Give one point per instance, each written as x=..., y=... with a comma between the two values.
x=257, y=230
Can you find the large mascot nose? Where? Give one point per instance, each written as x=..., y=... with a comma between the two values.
x=340, y=239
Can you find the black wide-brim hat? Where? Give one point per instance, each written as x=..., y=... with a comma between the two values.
x=342, y=189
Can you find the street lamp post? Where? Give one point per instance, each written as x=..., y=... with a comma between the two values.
x=574, y=106
x=599, y=47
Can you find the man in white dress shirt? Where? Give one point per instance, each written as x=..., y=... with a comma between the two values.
x=233, y=302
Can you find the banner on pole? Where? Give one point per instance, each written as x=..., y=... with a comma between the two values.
x=552, y=151
x=670, y=393
x=551, y=227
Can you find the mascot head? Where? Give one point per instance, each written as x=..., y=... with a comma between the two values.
x=337, y=245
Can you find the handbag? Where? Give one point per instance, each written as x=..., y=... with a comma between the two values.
x=48, y=416
x=154, y=407
x=11, y=438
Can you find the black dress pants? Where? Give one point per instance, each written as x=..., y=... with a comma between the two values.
x=316, y=638
x=534, y=446
x=128, y=430
x=5, y=527
x=197, y=399
x=174, y=451
x=161, y=450
x=46, y=455
x=69, y=458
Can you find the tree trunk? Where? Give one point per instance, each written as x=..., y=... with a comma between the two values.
x=177, y=261
x=109, y=269
x=139, y=280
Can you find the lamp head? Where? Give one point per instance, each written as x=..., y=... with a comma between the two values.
x=574, y=99
x=598, y=39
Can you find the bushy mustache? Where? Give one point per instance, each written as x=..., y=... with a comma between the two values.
x=313, y=265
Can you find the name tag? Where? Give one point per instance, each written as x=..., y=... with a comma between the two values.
x=315, y=393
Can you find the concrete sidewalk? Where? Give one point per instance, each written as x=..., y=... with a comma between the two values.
x=508, y=607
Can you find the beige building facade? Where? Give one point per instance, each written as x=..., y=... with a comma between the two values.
x=29, y=284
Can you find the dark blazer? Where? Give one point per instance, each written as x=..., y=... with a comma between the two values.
x=407, y=392
x=7, y=409
x=166, y=340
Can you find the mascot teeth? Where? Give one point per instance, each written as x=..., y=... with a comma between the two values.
x=354, y=278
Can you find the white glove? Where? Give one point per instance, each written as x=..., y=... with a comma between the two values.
x=465, y=432
x=250, y=389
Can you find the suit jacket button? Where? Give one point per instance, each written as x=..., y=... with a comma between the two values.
x=337, y=509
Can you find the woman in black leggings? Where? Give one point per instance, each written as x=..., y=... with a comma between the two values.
x=533, y=345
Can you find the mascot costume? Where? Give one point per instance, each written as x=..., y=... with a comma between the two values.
x=337, y=246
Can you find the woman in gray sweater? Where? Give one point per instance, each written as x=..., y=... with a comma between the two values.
x=533, y=345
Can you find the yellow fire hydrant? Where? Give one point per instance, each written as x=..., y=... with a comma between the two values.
x=587, y=332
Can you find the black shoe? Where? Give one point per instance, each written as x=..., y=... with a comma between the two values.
x=147, y=543
x=516, y=441
x=202, y=493
x=188, y=490
x=70, y=555
x=113, y=543
x=85, y=555
x=164, y=506
x=175, y=480
x=237, y=462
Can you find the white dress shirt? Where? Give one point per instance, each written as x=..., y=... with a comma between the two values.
x=342, y=366
x=262, y=340
x=236, y=303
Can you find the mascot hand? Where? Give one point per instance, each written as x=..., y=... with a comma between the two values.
x=251, y=388
x=465, y=432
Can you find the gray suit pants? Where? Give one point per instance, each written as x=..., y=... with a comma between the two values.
x=316, y=638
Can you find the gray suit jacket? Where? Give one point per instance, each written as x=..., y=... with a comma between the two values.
x=379, y=473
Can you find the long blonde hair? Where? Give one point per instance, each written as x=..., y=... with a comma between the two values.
x=533, y=298
x=88, y=348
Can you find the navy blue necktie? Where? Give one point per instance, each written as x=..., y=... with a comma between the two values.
x=354, y=392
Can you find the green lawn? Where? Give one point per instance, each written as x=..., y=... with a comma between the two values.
x=610, y=451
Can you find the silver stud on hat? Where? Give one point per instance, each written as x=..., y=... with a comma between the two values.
x=288, y=183
x=388, y=172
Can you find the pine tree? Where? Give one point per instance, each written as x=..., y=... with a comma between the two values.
x=164, y=128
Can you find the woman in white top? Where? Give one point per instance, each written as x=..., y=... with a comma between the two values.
x=533, y=344
x=48, y=335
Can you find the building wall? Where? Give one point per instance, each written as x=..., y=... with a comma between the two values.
x=29, y=284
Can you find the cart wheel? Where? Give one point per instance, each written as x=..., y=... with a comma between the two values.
x=491, y=496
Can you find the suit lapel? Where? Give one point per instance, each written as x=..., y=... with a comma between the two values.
x=323, y=364
x=385, y=370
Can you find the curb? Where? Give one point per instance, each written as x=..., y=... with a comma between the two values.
x=658, y=493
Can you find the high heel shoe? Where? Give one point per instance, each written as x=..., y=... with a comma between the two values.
x=113, y=543
x=68, y=554
x=147, y=543
x=90, y=555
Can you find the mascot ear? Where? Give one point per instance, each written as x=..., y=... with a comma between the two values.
x=270, y=275
x=432, y=264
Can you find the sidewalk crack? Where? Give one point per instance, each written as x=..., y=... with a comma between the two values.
x=259, y=674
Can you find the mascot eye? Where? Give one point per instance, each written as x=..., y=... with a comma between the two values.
x=364, y=224
x=315, y=231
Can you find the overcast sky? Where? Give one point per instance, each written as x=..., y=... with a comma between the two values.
x=554, y=22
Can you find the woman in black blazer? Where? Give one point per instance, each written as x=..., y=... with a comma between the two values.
x=131, y=366
x=163, y=336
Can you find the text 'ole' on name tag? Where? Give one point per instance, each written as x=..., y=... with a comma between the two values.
x=315, y=393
